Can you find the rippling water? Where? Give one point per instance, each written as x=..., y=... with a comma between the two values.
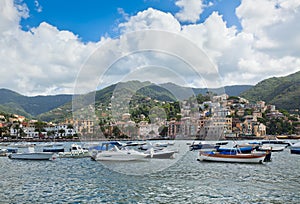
x=185, y=181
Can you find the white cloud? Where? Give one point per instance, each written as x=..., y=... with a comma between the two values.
x=151, y=19
x=190, y=10
x=46, y=60
x=43, y=60
x=38, y=7
x=9, y=16
x=267, y=45
x=123, y=13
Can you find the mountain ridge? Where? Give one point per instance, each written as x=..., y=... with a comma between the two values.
x=283, y=92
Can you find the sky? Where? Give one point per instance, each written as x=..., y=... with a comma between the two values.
x=65, y=47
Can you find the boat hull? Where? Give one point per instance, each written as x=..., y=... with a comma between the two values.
x=295, y=150
x=270, y=148
x=118, y=156
x=32, y=156
x=162, y=155
x=237, y=158
x=73, y=154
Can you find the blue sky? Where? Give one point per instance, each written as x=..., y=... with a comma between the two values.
x=45, y=44
x=91, y=19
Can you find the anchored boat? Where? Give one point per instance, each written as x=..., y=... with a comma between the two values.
x=30, y=154
x=254, y=157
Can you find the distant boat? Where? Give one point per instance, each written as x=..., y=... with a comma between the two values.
x=273, y=145
x=257, y=158
x=76, y=151
x=276, y=142
x=292, y=137
x=160, y=154
x=206, y=145
x=32, y=155
x=131, y=143
x=23, y=144
x=295, y=148
x=266, y=147
x=3, y=152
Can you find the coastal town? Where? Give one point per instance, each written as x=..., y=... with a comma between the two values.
x=221, y=117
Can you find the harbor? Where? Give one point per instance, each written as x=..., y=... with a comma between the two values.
x=182, y=179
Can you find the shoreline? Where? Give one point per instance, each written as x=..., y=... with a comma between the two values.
x=269, y=137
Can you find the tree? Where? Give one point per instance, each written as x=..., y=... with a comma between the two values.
x=116, y=131
x=163, y=130
x=39, y=126
x=3, y=130
x=61, y=131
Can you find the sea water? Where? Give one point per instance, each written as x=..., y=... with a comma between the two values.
x=184, y=180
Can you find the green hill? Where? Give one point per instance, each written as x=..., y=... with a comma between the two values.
x=283, y=92
x=13, y=102
x=135, y=89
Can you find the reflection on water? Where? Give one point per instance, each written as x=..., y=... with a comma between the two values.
x=185, y=181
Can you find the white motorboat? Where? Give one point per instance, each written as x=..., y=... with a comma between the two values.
x=76, y=151
x=116, y=154
x=30, y=154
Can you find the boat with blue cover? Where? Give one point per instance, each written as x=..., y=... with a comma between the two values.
x=235, y=150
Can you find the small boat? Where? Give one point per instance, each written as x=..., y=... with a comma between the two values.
x=157, y=152
x=257, y=158
x=292, y=137
x=30, y=154
x=76, y=151
x=295, y=148
x=50, y=144
x=160, y=154
x=131, y=143
x=3, y=152
x=206, y=145
x=116, y=154
x=266, y=147
x=23, y=144
x=161, y=144
x=276, y=142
